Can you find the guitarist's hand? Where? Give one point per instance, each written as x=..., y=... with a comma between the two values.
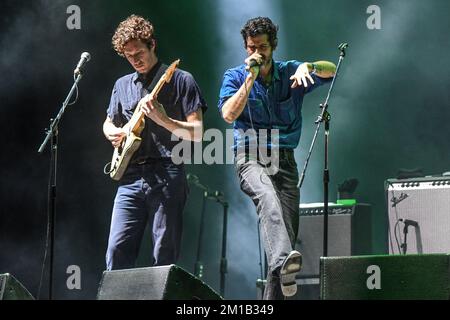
x=115, y=135
x=153, y=110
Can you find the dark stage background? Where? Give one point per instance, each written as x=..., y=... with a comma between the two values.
x=390, y=110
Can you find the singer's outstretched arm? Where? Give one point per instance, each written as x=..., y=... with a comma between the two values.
x=323, y=69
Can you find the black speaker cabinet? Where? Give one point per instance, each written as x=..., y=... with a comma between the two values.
x=307, y=289
x=12, y=289
x=385, y=277
x=154, y=283
x=419, y=211
x=349, y=233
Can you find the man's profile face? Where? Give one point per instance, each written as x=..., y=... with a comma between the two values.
x=139, y=55
x=261, y=45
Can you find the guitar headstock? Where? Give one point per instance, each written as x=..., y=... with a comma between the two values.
x=170, y=70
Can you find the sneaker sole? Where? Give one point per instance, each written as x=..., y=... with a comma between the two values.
x=288, y=272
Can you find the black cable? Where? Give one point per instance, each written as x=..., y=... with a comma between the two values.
x=396, y=238
x=386, y=199
x=46, y=242
x=395, y=229
x=253, y=128
x=263, y=277
x=396, y=224
x=76, y=96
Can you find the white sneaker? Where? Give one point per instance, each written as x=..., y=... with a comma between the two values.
x=289, y=269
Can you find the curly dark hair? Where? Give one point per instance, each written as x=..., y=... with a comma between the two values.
x=258, y=26
x=133, y=27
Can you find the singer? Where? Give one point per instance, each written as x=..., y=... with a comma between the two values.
x=268, y=94
x=153, y=189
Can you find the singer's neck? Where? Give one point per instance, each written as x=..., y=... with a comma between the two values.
x=266, y=73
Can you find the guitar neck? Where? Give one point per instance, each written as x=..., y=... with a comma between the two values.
x=138, y=115
x=159, y=86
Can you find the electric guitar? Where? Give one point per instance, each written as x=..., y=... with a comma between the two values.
x=134, y=127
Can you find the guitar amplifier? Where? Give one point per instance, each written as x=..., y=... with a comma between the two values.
x=419, y=215
x=349, y=233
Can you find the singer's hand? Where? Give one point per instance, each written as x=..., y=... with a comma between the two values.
x=255, y=69
x=301, y=76
x=153, y=109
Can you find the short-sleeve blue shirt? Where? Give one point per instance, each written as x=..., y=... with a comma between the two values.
x=180, y=97
x=277, y=106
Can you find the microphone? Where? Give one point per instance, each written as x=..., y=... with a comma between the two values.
x=253, y=63
x=85, y=57
x=343, y=46
x=218, y=194
x=411, y=223
x=192, y=177
x=214, y=194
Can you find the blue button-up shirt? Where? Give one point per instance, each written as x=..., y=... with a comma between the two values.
x=276, y=106
x=180, y=97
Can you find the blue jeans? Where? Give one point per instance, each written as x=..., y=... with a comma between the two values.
x=153, y=193
x=277, y=200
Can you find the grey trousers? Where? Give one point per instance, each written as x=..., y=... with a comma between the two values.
x=277, y=200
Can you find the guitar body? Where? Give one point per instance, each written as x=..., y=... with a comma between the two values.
x=131, y=142
x=122, y=155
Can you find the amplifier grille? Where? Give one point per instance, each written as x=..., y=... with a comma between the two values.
x=420, y=210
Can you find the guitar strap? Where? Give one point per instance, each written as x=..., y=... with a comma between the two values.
x=162, y=68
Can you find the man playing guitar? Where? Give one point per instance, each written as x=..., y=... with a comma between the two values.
x=152, y=189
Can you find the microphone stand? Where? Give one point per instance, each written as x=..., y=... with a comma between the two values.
x=405, y=243
x=218, y=197
x=223, y=260
x=418, y=240
x=198, y=268
x=52, y=136
x=324, y=117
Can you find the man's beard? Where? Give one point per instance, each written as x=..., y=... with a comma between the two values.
x=267, y=62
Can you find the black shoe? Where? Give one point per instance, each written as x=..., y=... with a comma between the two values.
x=289, y=269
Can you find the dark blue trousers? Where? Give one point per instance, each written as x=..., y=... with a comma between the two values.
x=153, y=193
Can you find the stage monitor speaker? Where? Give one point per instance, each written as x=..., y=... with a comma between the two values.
x=385, y=277
x=418, y=210
x=12, y=289
x=349, y=233
x=154, y=283
x=307, y=289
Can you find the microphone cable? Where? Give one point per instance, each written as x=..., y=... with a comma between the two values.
x=252, y=125
x=395, y=229
x=47, y=236
x=263, y=276
x=76, y=92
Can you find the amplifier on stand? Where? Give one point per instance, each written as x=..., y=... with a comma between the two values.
x=419, y=215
